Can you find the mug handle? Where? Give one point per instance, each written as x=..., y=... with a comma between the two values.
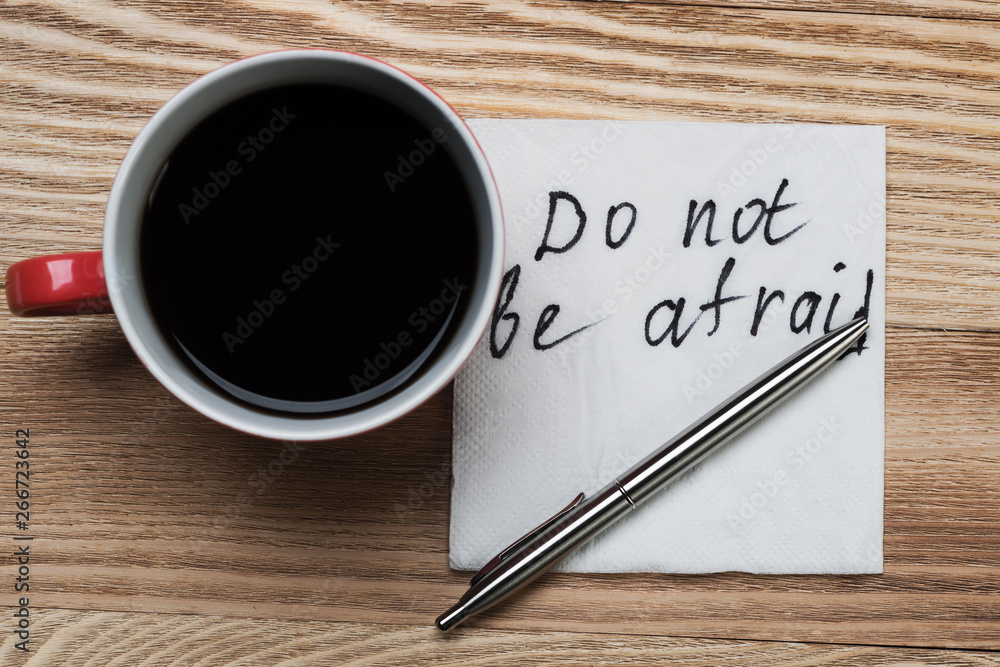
x=67, y=284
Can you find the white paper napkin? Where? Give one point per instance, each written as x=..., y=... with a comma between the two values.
x=536, y=420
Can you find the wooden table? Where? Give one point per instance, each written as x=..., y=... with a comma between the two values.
x=160, y=536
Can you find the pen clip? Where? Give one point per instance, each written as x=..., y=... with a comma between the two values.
x=524, y=539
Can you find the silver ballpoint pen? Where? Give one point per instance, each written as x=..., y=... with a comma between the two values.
x=532, y=555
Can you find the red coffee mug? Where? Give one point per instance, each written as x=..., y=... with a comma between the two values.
x=96, y=282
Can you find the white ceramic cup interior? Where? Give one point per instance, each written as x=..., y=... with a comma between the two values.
x=181, y=114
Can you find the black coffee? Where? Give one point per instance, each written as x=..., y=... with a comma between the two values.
x=309, y=248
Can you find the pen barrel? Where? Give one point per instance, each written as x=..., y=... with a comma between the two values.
x=736, y=413
x=577, y=526
x=543, y=552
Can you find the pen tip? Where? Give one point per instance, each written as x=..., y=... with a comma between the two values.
x=451, y=618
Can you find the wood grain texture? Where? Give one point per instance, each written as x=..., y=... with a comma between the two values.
x=144, y=506
x=78, y=639
x=943, y=9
